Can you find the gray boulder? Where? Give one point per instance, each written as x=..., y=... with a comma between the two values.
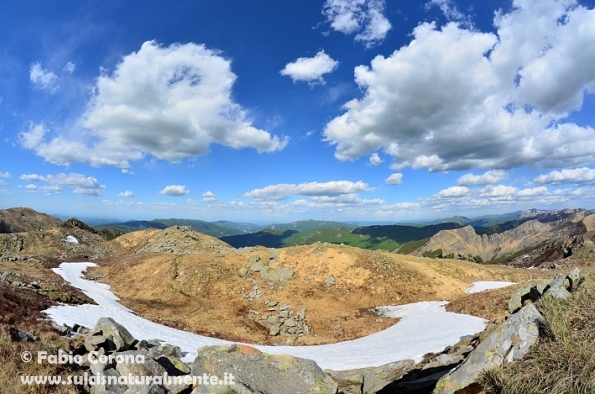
x=559, y=293
x=261, y=372
x=114, y=331
x=370, y=380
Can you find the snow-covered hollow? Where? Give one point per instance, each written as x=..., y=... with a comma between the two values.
x=424, y=327
x=476, y=287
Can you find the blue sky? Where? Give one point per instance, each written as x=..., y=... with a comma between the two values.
x=276, y=111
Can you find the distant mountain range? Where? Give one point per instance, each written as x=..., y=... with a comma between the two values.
x=402, y=238
x=524, y=237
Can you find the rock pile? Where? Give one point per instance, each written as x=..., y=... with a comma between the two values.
x=109, y=350
x=280, y=320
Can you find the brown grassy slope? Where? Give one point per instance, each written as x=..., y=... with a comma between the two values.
x=14, y=220
x=19, y=310
x=204, y=291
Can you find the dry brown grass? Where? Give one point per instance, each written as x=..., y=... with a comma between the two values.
x=19, y=310
x=491, y=305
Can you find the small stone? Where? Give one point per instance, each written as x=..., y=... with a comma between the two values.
x=330, y=281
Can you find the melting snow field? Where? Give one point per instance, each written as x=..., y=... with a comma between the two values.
x=476, y=287
x=424, y=327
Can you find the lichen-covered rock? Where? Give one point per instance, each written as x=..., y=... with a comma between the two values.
x=508, y=342
x=518, y=297
x=261, y=372
x=559, y=293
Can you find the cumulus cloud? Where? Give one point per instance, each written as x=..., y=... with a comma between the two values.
x=394, y=179
x=364, y=17
x=5, y=174
x=458, y=98
x=126, y=194
x=209, y=197
x=283, y=190
x=487, y=178
x=174, y=190
x=498, y=191
x=531, y=192
x=567, y=176
x=453, y=192
x=310, y=69
x=42, y=78
x=170, y=102
x=375, y=159
x=79, y=183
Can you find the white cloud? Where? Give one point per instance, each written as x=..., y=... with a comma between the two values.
x=531, y=192
x=171, y=102
x=498, y=191
x=283, y=191
x=457, y=99
x=310, y=69
x=364, y=17
x=209, y=197
x=375, y=159
x=450, y=11
x=405, y=205
x=47, y=190
x=79, y=183
x=567, y=176
x=174, y=190
x=43, y=79
x=3, y=182
x=394, y=179
x=69, y=67
x=487, y=178
x=5, y=174
x=453, y=191
x=126, y=194
x=33, y=177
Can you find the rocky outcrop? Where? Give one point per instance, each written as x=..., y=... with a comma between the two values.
x=511, y=340
x=507, y=343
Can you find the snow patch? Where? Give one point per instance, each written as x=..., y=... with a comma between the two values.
x=476, y=287
x=71, y=239
x=424, y=327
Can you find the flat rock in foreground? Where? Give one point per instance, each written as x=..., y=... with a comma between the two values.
x=254, y=371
